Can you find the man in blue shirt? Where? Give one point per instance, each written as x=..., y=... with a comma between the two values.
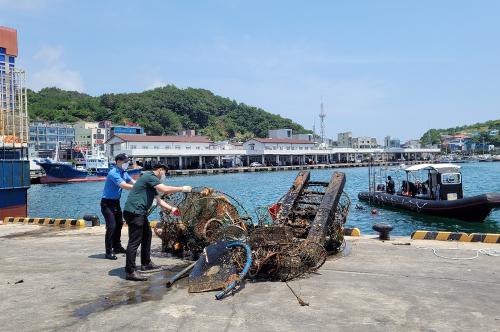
x=116, y=180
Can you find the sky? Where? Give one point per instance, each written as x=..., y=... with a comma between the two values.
x=380, y=67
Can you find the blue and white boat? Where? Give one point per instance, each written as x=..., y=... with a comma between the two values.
x=96, y=169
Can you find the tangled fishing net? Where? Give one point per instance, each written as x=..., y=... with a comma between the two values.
x=205, y=215
x=279, y=245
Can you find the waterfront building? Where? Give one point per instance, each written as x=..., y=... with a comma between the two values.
x=176, y=151
x=344, y=140
x=455, y=143
x=45, y=137
x=364, y=142
x=14, y=163
x=283, y=151
x=181, y=152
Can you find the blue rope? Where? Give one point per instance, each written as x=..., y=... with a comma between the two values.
x=243, y=273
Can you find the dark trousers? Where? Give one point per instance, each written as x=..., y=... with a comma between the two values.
x=139, y=233
x=112, y=213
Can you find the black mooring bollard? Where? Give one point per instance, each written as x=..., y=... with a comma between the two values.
x=383, y=230
x=92, y=218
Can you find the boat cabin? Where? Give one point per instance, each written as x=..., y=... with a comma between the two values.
x=444, y=181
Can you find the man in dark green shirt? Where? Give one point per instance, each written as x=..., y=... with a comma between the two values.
x=139, y=201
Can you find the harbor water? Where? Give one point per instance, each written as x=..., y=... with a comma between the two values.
x=254, y=190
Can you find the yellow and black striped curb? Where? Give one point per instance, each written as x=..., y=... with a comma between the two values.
x=45, y=221
x=485, y=237
x=456, y=236
x=352, y=232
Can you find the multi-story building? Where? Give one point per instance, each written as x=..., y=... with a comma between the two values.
x=14, y=163
x=45, y=137
x=363, y=142
x=91, y=136
x=344, y=140
x=391, y=142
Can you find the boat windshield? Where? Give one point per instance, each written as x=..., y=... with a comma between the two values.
x=451, y=178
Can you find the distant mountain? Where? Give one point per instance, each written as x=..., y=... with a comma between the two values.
x=160, y=111
x=478, y=131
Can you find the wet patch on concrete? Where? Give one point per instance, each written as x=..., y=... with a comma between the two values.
x=346, y=251
x=45, y=232
x=40, y=232
x=134, y=293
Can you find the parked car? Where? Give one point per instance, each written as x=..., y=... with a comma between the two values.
x=256, y=164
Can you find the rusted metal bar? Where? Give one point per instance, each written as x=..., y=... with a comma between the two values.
x=318, y=183
x=313, y=192
x=293, y=193
x=308, y=203
x=325, y=214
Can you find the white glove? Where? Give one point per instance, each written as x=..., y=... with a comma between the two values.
x=186, y=189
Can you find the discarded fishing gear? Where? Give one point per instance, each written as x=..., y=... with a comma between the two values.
x=204, y=213
x=291, y=239
x=307, y=225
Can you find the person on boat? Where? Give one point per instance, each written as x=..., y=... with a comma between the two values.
x=421, y=188
x=390, y=188
x=139, y=202
x=116, y=180
x=408, y=188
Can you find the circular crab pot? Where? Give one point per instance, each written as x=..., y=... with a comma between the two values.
x=383, y=230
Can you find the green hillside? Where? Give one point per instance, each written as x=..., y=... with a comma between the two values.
x=478, y=131
x=160, y=111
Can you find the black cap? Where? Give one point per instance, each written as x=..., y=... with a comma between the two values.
x=121, y=157
x=159, y=165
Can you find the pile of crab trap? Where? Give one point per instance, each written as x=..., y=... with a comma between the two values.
x=290, y=239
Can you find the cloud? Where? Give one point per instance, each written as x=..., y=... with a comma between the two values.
x=53, y=72
x=57, y=76
x=49, y=53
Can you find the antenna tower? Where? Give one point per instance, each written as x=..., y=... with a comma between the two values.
x=314, y=130
x=322, y=116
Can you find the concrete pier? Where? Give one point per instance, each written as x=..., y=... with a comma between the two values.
x=35, y=177
x=376, y=286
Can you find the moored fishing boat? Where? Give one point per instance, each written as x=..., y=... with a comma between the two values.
x=96, y=169
x=441, y=194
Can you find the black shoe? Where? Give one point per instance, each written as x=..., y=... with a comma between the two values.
x=111, y=256
x=134, y=276
x=120, y=250
x=150, y=267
